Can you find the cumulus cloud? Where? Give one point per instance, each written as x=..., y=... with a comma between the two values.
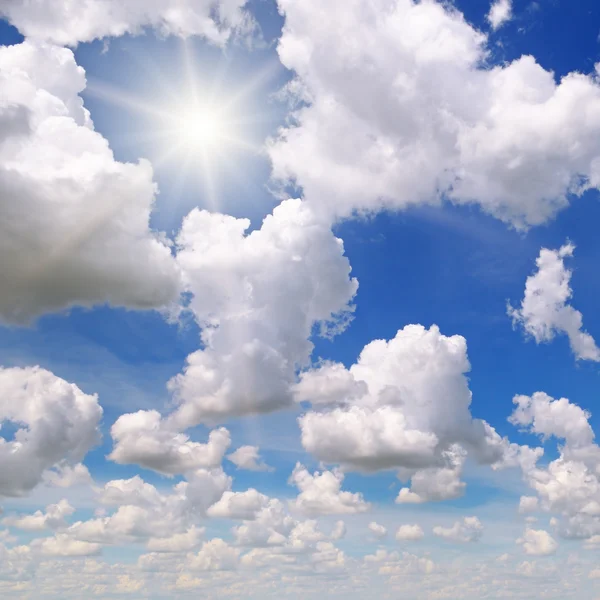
x=257, y=298
x=56, y=423
x=321, y=493
x=248, y=458
x=545, y=310
x=66, y=476
x=469, y=529
x=398, y=106
x=73, y=221
x=568, y=486
x=239, y=505
x=412, y=412
x=409, y=533
x=63, y=545
x=500, y=13
x=67, y=23
x=215, y=555
x=53, y=518
x=145, y=439
x=537, y=542
x=178, y=542
x=379, y=531
x=528, y=504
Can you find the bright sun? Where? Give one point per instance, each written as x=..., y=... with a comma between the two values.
x=195, y=127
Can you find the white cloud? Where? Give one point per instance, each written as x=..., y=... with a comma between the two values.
x=399, y=106
x=53, y=518
x=239, y=505
x=66, y=476
x=145, y=439
x=64, y=545
x=545, y=311
x=215, y=555
x=56, y=422
x=436, y=484
x=178, y=542
x=67, y=23
x=379, y=531
x=339, y=531
x=538, y=542
x=321, y=494
x=73, y=221
x=500, y=13
x=409, y=533
x=469, y=529
x=528, y=504
x=248, y=458
x=257, y=298
x=413, y=409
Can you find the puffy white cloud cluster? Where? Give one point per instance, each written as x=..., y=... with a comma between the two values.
x=568, y=486
x=404, y=404
x=67, y=23
x=145, y=439
x=469, y=529
x=409, y=533
x=399, y=106
x=248, y=458
x=321, y=493
x=257, y=298
x=53, y=518
x=73, y=221
x=500, y=13
x=56, y=423
x=538, y=542
x=545, y=310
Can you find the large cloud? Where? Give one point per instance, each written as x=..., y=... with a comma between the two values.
x=545, y=310
x=257, y=298
x=73, y=221
x=399, y=107
x=56, y=423
x=66, y=22
x=405, y=403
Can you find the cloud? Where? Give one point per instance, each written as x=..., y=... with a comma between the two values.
x=500, y=13
x=545, y=310
x=321, y=494
x=145, y=439
x=73, y=221
x=397, y=105
x=412, y=412
x=239, y=505
x=528, y=504
x=67, y=23
x=215, y=555
x=62, y=545
x=53, y=518
x=257, y=298
x=56, y=422
x=409, y=533
x=379, y=531
x=248, y=458
x=66, y=476
x=178, y=542
x=537, y=542
x=469, y=529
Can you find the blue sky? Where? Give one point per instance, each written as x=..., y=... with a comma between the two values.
x=448, y=263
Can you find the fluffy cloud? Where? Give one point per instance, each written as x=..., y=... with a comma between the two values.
x=56, y=422
x=436, y=484
x=469, y=529
x=68, y=23
x=570, y=484
x=215, y=555
x=65, y=476
x=399, y=106
x=145, y=439
x=63, y=545
x=537, y=542
x=379, y=531
x=545, y=310
x=528, y=504
x=73, y=221
x=411, y=412
x=321, y=494
x=500, y=13
x=53, y=518
x=239, y=505
x=248, y=458
x=178, y=542
x=409, y=533
x=257, y=298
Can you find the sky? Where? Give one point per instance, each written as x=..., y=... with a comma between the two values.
x=299, y=299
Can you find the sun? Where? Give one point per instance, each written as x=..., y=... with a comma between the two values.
x=195, y=127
